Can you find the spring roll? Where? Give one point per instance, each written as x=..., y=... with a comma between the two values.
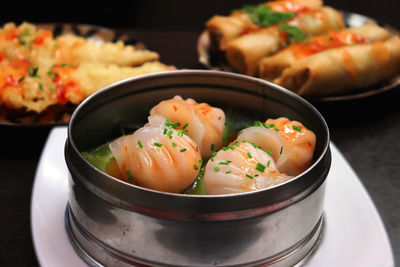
x=271, y=67
x=343, y=69
x=245, y=52
x=225, y=28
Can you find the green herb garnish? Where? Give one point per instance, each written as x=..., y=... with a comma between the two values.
x=263, y=16
x=158, y=144
x=140, y=144
x=171, y=124
x=293, y=34
x=183, y=150
x=33, y=72
x=260, y=167
x=129, y=175
x=297, y=128
x=268, y=152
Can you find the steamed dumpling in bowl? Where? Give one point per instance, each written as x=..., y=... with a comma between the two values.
x=203, y=123
x=241, y=167
x=158, y=157
x=290, y=143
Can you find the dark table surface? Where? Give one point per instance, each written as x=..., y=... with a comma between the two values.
x=366, y=131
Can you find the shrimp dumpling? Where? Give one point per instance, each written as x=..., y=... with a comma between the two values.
x=204, y=124
x=158, y=157
x=241, y=168
x=290, y=143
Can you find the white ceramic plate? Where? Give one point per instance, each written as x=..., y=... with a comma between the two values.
x=354, y=234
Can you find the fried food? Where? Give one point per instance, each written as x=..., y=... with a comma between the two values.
x=38, y=71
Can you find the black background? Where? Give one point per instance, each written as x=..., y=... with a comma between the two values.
x=366, y=131
x=165, y=15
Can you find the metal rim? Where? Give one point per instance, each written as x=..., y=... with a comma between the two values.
x=311, y=243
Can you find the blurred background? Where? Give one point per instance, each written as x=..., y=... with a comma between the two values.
x=166, y=15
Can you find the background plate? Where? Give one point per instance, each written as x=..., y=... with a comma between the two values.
x=354, y=234
x=351, y=20
x=59, y=115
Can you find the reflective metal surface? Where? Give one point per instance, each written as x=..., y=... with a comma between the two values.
x=116, y=223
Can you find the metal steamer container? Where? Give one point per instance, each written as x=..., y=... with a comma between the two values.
x=113, y=223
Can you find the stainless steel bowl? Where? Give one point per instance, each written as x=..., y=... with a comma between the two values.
x=113, y=223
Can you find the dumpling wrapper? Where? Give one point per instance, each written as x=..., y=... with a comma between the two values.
x=156, y=158
x=241, y=169
x=204, y=124
x=290, y=143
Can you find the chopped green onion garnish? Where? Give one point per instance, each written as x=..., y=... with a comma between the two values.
x=280, y=153
x=183, y=150
x=268, y=152
x=158, y=144
x=169, y=133
x=219, y=118
x=52, y=87
x=212, y=146
x=216, y=169
x=213, y=155
x=228, y=172
x=249, y=155
x=165, y=131
x=129, y=175
x=260, y=167
x=184, y=126
x=171, y=124
x=225, y=162
x=174, y=144
x=41, y=86
x=297, y=128
x=21, y=79
x=248, y=175
x=195, y=167
x=140, y=144
x=33, y=72
x=237, y=143
x=268, y=163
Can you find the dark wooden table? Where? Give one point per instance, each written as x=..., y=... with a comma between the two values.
x=366, y=131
